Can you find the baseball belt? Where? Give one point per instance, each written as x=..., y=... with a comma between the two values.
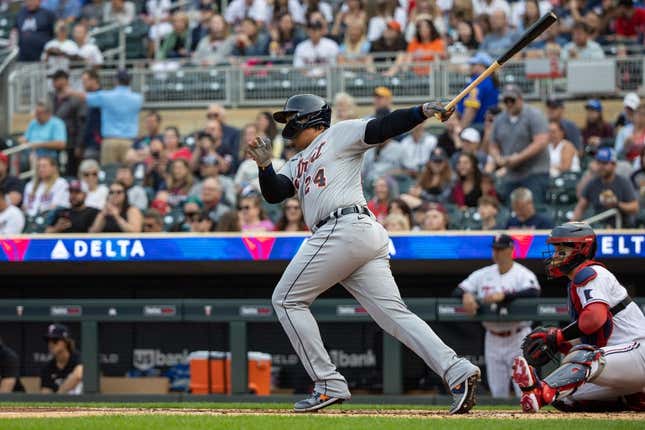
x=340, y=212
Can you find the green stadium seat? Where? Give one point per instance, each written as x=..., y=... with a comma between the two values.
x=108, y=173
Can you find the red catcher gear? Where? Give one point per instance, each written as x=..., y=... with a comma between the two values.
x=576, y=235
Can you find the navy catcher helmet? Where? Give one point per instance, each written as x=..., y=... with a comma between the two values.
x=303, y=111
x=580, y=237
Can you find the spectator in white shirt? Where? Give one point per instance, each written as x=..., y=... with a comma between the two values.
x=237, y=10
x=120, y=11
x=316, y=50
x=416, y=148
x=88, y=52
x=47, y=190
x=12, y=221
x=95, y=193
x=487, y=7
x=58, y=52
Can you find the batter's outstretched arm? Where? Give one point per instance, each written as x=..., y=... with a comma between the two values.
x=275, y=187
x=400, y=121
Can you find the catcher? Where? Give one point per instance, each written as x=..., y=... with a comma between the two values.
x=606, y=369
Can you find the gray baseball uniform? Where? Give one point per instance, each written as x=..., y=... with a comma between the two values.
x=351, y=250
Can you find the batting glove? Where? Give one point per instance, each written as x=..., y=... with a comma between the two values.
x=261, y=151
x=437, y=110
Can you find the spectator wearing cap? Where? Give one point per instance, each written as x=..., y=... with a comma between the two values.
x=496, y=287
x=136, y=194
x=78, y=218
x=9, y=370
x=468, y=142
x=434, y=183
x=250, y=40
x=581, y=46
x=316, y=50
x=391, y=41
x=11, y=184
x=488, y=210
x=92, y=130
x=12, y=220
x=416, y=148
x=46, y=134
x=120, y=109
x=59, y=51
x=119, y=11
x=426, y=46
x=237, y=10
x=524, y=214
x=34, y=27
x=630, y=140
x=501, y=37
x=630, y=104
x=96, y=193
x=72, y=111
x=608, y=191
x=519, y=143
x=596, y=131
x=63, y=373
x=382, y=101
x=555, y=112
x=152, y=222
x=118, y=215
x=472, y=109
x=385, y=159
x=629, y=25
x=563, y=156
x=435, y=218
x=47, y=190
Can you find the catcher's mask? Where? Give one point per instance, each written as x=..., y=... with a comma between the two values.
x=303, y=111
x=568, y=246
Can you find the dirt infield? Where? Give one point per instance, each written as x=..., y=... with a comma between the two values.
x=71, y=412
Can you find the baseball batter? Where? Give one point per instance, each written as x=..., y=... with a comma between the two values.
x=347, y=245
x=497, y=286
x=606, y=371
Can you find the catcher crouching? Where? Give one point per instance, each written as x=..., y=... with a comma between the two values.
x=605, y=370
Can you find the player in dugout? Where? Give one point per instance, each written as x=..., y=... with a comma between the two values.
x=63, y=374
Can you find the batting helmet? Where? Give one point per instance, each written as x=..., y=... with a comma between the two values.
x=303, y=111
x=580, y=237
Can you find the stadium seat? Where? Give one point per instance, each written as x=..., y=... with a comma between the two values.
x=108, y=173
x=36, y=224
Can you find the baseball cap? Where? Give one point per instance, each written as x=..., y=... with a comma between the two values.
x=4, y=158
x=123, y=77
x=594, y=104
x=437, y=207
x=75, y=185
x=481, y=58
x=57, y=331
x=438, y=154
x=554, y=102
x=511, y=91
x=632, y=101
x=471, y=135
x=383, y=92
x=502, y=241
x=606, y=155
x=394, y=25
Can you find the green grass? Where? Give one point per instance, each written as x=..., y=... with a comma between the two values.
x=309, y=422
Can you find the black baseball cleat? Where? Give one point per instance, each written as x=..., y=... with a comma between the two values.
x=316, y=401
x=464, y=394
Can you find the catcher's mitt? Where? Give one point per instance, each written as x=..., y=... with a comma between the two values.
x=540, y=346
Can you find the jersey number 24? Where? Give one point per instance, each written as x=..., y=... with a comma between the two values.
x=319, y=179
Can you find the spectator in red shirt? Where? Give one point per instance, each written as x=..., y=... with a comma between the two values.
x=630, y=21
x=381, y=201
x=172, y=143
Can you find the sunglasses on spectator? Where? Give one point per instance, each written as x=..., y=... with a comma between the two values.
x=193, y=216
x=112, y=192
x=149, y=226
x=88, y=174
x=509, y=101
x=212, y=115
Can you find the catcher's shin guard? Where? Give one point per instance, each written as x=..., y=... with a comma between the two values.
x=583, y=364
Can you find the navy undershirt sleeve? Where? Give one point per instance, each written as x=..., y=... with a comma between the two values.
x=275, y=187
x=397, y=122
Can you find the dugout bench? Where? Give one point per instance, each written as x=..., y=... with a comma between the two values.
x=237, y=313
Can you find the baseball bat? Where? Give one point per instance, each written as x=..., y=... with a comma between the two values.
x=529, y=35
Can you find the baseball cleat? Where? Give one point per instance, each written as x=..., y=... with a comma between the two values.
x=464, y=394
x=524, y=376
x=316, y=401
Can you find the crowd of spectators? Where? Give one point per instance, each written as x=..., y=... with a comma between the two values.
x=96, y=171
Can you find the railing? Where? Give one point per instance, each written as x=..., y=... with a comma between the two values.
x=7, y=58
x=119, y=50
x=608, y=214
x=239, y=312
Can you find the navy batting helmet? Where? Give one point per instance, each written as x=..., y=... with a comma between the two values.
x=580, y=237
x=303, y=111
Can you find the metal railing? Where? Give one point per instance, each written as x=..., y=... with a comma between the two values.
x=608, y=214
x=117, y=51
x=7, y=58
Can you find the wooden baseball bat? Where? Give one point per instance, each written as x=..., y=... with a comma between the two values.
x=529, y=36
